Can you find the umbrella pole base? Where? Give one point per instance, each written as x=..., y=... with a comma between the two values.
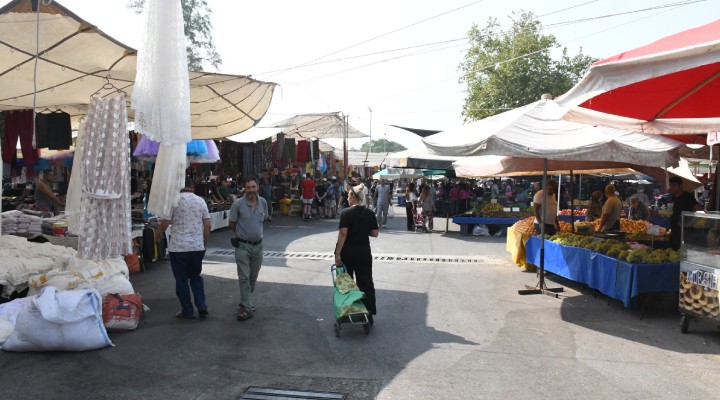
x=552, y=292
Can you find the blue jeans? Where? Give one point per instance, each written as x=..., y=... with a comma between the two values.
x=248, y=258
x=186, y=267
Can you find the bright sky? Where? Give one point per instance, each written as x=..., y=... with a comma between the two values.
x=415, y=87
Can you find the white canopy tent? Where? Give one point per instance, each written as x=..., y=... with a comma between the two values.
x=490, y=166
x=77, y=59
x=398, y=173
x=537, y=130
x=318, y=126
x=420, y=158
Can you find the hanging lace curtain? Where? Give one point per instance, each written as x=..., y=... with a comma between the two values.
x=170, y=165
x=105, y=181
x=72, y=201
x=161, y=99
x=161, y=95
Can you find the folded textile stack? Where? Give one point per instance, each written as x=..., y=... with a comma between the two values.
x=21, y=259
x=56, y=226
x=14, y=221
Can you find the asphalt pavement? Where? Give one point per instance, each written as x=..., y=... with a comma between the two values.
x=450, y=325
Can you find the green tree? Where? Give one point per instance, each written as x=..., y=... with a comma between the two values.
x=508, y=68
x=198, y=31
x=382, y=146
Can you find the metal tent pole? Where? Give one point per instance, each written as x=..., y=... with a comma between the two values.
x=541, y=287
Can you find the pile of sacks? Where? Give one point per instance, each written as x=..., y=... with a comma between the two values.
x=64, y=307
x=14, y=221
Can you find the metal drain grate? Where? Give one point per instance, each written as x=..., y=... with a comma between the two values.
x=411, y=258
x=260, y=393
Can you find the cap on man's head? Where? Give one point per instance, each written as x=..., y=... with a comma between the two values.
x=676, y=180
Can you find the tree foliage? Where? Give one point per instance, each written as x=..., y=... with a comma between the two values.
x=508, y=68
x=382, y=146
x=198, y=31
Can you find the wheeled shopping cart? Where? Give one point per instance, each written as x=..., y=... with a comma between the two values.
x=347, y=301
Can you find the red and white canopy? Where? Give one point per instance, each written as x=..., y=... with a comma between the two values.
x=668, y=86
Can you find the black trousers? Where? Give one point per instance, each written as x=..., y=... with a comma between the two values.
x=410, y=219
x=358, y=263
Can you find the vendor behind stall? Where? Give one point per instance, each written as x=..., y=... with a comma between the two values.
x=610, y=219
x=638, y=210
x=45, y=199
x=682, y=201
x=594, y=210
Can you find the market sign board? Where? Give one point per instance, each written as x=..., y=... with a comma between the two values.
x=713, y=138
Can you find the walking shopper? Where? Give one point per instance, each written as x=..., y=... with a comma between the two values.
x=308, y=194
x=330, y=198
x=266, y=192
x=246, y=220
x=190, y=221
x=426, y=201
x=383, y=191
x=357, y=224
x=410, y=199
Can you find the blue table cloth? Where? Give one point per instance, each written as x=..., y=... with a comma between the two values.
x=617, y=279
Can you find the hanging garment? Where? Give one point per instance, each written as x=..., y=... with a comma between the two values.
x=20, y=124
x=74, y=193
x=315, y=149
x=302, y=151
x=53, y=130
x=289, y=152
x=146, y=147
x=170, y=164
x=247, y=161
x=280, y=150
x=212, y=155
x=258, y=158
x=161, y=94
x=9, y=141
x=105, y=179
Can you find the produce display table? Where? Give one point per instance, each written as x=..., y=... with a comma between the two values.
x=219, y=219
x=467, y=223
x=661, y=221
x=617, y=279
x=567, y=218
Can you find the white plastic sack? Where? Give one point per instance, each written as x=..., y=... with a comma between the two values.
x=74, y=280
x=8, y=315
x=481, y=230
x=60, y=320
x=391, y=212
x=6, y=329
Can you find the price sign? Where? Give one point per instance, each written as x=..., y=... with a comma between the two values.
x=713, y=138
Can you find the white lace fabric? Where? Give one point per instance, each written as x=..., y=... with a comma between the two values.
x=105, y=221
x=161, y=95
x=74, y=193
x=170, y=165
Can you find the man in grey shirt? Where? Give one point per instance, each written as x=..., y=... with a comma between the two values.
x=384, y=198
x=246, y=219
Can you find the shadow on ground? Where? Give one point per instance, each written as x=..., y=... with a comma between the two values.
x=290, y=343
x=659, y=326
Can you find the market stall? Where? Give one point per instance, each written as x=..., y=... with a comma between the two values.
x=615, y=278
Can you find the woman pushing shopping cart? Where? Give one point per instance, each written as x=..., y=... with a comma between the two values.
x=352, y=251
